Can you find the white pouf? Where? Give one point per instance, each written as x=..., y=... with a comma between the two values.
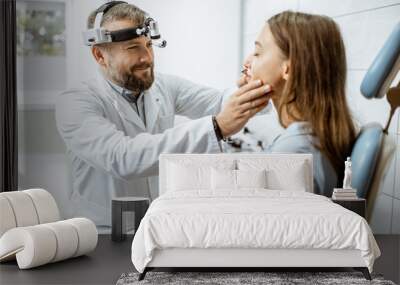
x=31, y=233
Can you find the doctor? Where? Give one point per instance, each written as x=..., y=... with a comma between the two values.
x=116, y=125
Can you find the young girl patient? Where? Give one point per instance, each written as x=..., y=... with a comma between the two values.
x=302, y=57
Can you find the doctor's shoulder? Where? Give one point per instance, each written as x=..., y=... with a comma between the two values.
x=84, y=97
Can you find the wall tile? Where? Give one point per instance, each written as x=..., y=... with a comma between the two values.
x=395, y=124
x=394, y=127
x=380, y=221
x=327, y=7
x=365, y=110
x=387, y=181
x=364, y=34
x=396, y=217
x=398, y=122
x=258, y=11
x=397, y=171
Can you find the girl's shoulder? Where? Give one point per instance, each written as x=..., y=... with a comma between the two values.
x=297, y=138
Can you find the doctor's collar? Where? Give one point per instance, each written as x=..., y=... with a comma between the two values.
x=127, y=94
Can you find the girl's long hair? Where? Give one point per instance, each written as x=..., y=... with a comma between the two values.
x=317, y=78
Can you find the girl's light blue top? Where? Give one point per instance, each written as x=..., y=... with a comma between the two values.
x=298, y=138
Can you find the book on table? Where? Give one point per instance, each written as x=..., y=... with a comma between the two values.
x=344, y=194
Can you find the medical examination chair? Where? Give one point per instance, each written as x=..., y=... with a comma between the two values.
x=374, y=147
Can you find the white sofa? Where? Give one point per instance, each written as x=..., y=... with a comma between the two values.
x=31, y=231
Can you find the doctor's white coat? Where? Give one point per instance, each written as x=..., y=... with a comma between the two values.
x=114, y=154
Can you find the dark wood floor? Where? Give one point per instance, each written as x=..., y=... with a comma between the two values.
x=110, y=260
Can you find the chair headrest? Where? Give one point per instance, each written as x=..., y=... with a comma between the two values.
x=364, y=157
x=384, y=68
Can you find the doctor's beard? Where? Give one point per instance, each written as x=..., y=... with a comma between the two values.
x=128, y=79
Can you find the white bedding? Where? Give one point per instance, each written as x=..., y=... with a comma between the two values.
x=252, y=218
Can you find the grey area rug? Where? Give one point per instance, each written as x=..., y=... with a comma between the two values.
x=229, y=278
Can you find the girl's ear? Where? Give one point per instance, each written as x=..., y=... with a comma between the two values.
x=285, y=70
x=98, y=55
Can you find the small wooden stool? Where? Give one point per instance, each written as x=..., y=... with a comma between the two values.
x=138, y=205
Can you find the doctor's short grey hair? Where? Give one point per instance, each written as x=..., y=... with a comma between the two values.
x=123, y=11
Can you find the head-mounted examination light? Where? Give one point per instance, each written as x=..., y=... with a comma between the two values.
x=99, y=35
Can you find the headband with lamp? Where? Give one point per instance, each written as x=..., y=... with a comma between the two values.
x=99, y=35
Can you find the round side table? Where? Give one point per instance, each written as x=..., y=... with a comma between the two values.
x=138, y=205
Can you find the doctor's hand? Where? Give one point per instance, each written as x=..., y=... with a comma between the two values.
x=247, y=101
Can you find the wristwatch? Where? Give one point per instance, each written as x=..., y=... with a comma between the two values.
x=217, y=129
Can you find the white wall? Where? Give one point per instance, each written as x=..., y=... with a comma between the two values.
x=203, y=39
x=365, y=25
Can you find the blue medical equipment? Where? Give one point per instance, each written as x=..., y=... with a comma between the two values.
x=376, y=84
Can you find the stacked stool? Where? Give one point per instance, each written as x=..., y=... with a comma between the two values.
x=31, y=231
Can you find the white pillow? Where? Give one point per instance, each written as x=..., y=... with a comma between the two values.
x=294, y=178
x=251, y=178
x=284, y=174
x=223, y=179
x=183, y=177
